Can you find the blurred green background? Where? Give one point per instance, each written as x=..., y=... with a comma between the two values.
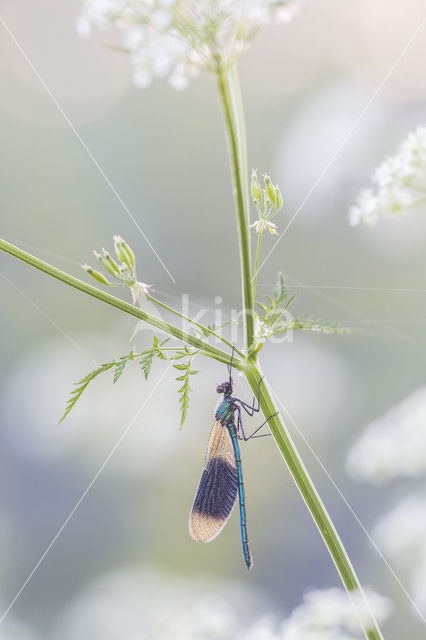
x=304, y=86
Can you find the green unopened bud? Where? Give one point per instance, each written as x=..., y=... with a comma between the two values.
x=124, y=252
x=107, y=261
x=279, y=199
x=95, y=274
x=256, y=191
x=270, y=190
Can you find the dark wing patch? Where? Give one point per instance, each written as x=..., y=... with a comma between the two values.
x=217, y=489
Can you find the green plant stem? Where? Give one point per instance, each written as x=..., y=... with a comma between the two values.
x=256, y=264
x=309, y=493
x=235, y=127
x=170, y=329
x=234, y=120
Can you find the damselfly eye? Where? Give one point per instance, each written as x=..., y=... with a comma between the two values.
x=223, y=387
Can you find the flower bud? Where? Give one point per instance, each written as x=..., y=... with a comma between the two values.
x=279, y=199
x=124, y=252
x=256, y=191
x=270, y=190
x=95, y=274
x=107, y=261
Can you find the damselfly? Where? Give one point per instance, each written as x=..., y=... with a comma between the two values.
x=222, y=476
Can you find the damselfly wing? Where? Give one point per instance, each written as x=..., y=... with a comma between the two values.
x=218, y=487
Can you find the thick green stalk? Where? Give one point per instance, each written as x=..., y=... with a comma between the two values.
x=310, y=495
x=234, y=121
x=168, y=328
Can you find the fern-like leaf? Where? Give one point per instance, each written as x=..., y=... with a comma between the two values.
x=305, y=323
x=185, y=389
x=280, y=292
x=158, y=350
x=82, y=385
x=146, y=362
x=119, y=367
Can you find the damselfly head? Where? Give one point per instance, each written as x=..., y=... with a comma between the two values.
x=225, y=387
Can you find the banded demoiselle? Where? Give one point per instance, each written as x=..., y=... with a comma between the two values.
x=222, y=476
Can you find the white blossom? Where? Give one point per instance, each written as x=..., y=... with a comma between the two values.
x=401, y=532
x=149, y=604
x=136, y=604
x=399, y=183
x=328, y=614
x=175, y=38
x=401, y=536
x=393, y=445
x=262, y=225
x=332, y=615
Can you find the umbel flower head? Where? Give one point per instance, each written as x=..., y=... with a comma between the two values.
x=394, y=445
x=176, y=38
x=268, y=202
x=398, y=184
x=124, y=272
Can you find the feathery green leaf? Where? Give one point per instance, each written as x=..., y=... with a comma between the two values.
x=82, y=385
x=185, y=389
x=119, y=367
x=146, y=362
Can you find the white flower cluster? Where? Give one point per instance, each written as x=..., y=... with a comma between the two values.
x=172, y=608
x=394, y=445
x=398, y=184
x=401, y=532
x=401, y=536
x=325, y=615
x=331, y=615
x=175, y=38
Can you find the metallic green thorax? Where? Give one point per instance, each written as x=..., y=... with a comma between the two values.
x=224, y=412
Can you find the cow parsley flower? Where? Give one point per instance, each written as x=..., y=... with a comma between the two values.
x=268, y=202
x=398, y=184
x=327, y=614
x=401, y=535
x=331, y=615
x=176, y=38
x=393, y=445
x=401, y=532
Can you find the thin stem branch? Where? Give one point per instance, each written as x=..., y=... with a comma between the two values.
x=256, y=263
x=235, y=128
x=196, y=324
x=166, y=327
x=310, y=495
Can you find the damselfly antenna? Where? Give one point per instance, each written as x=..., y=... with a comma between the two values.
x=230, y=366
